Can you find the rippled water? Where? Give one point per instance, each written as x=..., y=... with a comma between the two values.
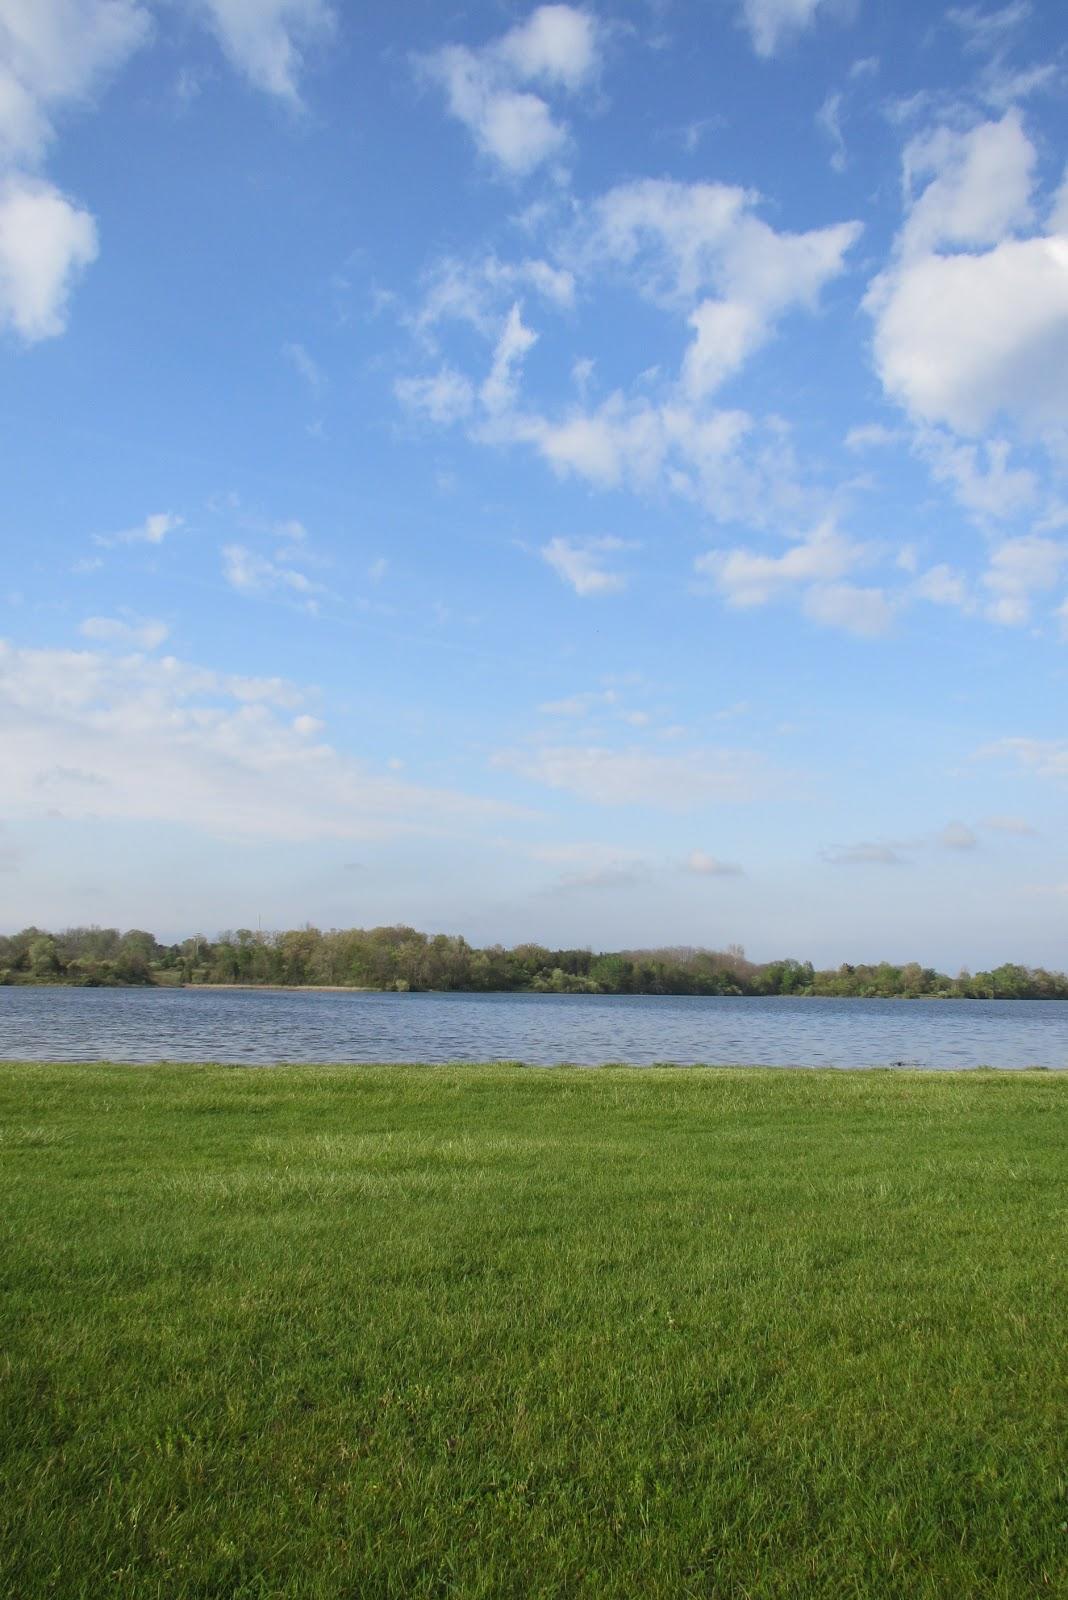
x=267, y=1026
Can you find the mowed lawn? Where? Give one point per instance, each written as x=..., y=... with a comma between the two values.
x=497, y=1331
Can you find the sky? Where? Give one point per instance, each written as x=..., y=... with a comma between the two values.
x=591, y=474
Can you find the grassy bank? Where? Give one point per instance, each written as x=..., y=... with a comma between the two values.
x=497, y=1332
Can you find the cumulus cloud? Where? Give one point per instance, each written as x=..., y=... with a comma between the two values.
x=582, y=566
x=266, y=40
x=46, y=242
x=635, y=776
x=55, y=53
x=488, y=89
x=701, y=254
x=971, y=320
x=155, y=739
x=967, y=190
x=701, y=248
x=557, y=44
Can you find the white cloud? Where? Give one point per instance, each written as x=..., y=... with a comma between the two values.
x=980, y=474
x=772, y=22
x=265, y=39
x=961, y=339
x=723, y=460
x=476, y=291
x=1019, y=569
x=829, y=119
x=517, y=130
x=971, y=322
x=153, y=530
x=699, y=252
x=132, y=633
x=557, y=48
x=635, y=776
x=557, y=44
x=56, y=52
x=46, y=241
x=943, y=586
x=1058, y=217
x=703, y=865
x=871, y=435
x=250, y=573
x=977, y=189
x=445, y=397
x=499, y=391
x=160, y=740
x=866, y=612
x=680, y=241
x=746, y=578
x=581, y=566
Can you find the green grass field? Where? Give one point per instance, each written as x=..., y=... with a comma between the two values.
x=495, y=1332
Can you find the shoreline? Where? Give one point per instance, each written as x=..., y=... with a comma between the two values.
x=280, y=988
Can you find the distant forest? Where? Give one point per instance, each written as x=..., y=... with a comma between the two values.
x=401, y=959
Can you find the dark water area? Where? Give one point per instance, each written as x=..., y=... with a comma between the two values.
x=241, y=1026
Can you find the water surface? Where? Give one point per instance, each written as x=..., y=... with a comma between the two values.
x=233, y=1025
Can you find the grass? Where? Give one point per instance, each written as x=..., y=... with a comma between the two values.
x=494, y=1332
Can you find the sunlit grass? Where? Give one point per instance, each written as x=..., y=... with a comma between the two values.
x=495, y=1331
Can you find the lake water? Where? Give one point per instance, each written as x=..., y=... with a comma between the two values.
x=270, y=1026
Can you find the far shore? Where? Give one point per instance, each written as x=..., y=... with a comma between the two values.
x=284, y=988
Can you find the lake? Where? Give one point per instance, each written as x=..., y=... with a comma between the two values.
x=235, y=1025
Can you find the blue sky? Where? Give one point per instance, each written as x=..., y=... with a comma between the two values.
x=590, y=474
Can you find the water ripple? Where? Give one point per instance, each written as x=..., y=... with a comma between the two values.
x=275, y=1026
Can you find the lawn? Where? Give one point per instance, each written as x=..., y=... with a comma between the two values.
x=506, y=1332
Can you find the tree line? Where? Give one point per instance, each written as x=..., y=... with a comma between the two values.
x=402, y=958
